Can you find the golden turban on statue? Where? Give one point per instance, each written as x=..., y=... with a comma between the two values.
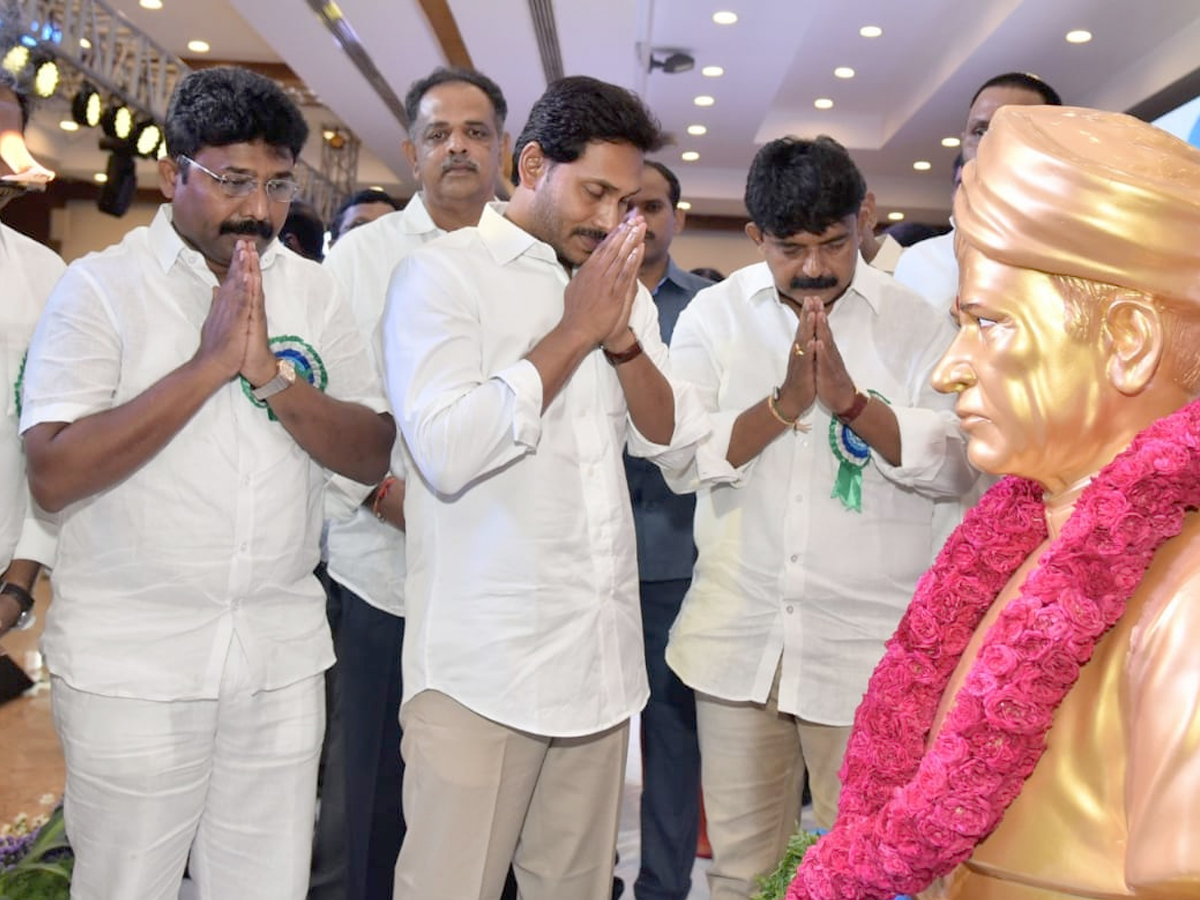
x=1098, y=195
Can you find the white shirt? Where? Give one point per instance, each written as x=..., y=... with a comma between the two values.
x=930, y=269
x=784, y=568
x=522, y=592
x=367, y=555
x=29, y=271
x=216, y=534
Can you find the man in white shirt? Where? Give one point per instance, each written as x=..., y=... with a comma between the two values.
x=187, y=394
x=929, y=267
x=815, y=498
x=456, y=142
x=29, y=271
x=521, y=356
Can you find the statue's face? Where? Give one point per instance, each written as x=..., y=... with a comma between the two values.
x=1033, y=400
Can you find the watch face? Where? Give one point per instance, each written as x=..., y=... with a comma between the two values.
x=287, y=371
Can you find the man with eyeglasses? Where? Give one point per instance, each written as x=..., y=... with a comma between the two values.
x=189, y=392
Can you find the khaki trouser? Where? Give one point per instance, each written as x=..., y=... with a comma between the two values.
x=752, y=762
x=479, y=795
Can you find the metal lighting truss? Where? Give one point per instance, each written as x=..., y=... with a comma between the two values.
x=110, y=53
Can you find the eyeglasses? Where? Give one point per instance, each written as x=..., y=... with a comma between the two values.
x=279, y=190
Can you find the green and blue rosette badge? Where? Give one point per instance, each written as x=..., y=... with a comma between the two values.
x=303, y=357
x=19, y=384
x=853, y=454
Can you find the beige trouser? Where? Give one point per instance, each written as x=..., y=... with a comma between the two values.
x=752, y=765
x=479, y=795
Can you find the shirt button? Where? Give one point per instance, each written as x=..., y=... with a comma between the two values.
x=245, y=481
x=795, y=557
x=799, y=497
x=789, y=609
x=245, y=546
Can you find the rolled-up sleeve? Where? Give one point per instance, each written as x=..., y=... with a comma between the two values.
x=691, y=419
x=695, y=367
x=459, y=422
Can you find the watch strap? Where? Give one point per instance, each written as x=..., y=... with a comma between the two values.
x=23, y=597
x=279, y=383
x=860, y=403
x=626, y=355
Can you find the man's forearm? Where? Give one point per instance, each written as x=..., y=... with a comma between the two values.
x=649, y=398
x=67, y=462
x=347, y=438
x=23, y=573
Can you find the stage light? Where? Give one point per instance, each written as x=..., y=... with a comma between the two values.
x=16, y=59
x=46, y=76
x=117, y=122
x=146, y=138
x=119, y=186
x=87, y=107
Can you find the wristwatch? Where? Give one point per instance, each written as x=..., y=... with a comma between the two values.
x=24, y=600
x=285, y=377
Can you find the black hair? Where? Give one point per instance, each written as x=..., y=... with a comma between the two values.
x=304, y=223
x=231, y=105
x=577, y=110
x=1021, y=80
x=713, y=275
x=369, y=195
x=674, y=192
x=455, y=75
x=8, y=80
x=799, y=185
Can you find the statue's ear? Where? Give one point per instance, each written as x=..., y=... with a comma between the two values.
x=1135, y=332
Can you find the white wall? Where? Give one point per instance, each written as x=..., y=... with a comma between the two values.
x=720, y=250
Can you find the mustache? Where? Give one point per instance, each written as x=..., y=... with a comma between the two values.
x=460, y=162
x=820, y=283
x=591, y=233
x=249, y=228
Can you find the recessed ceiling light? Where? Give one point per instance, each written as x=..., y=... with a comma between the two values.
x=697, y=130
x=100, y=178
x=712, y=71
x=704, y=100
x=724, y=17
x=198, y=46
x=375, y=187
x=683, y=204
x=951, y=142
x=922, y=165
x=150, y=4
x=870, y=31
x=68, y=125
x=85, y=43
x=1078, y=37
x=689, y=156
x=823, y=103
x=896, y=216
x=843, y=72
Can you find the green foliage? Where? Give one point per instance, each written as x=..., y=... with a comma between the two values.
x=775, y=885
x=44, y=873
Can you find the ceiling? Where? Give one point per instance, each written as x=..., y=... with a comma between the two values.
x=911, y=87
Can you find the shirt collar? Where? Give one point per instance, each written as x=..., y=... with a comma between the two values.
x=167, y=245
x=415, y=217
x=674, y=274
x=506, y=240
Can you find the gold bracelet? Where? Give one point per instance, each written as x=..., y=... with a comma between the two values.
x=793, y=424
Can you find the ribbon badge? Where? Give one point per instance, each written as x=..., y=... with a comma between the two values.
x=853, y=454
x=303, y=357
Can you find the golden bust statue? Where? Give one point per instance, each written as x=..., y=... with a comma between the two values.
x=1033, y=730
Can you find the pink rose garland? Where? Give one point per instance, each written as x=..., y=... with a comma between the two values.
x=908, y=814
